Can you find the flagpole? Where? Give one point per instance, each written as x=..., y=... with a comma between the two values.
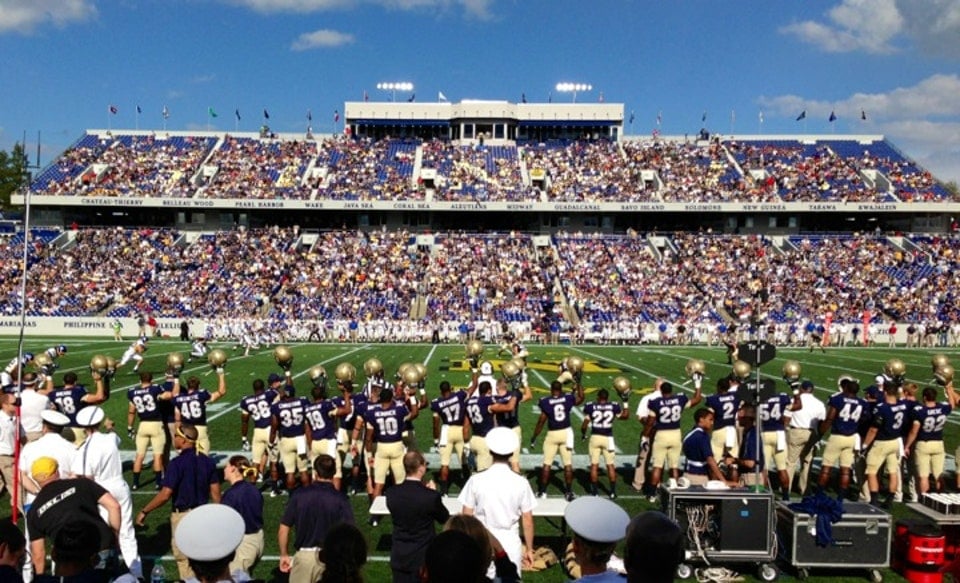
x=137, y=118
x=23, y=326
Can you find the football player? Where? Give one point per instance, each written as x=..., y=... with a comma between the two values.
x=135, y=353
x=145, y=401
x=663, y=424
x=321, y=416
x=198, y=349
x=599, y=416
x=449, y=410
x=288, y=432
x=257, y=407
x=191, y=405
x=11, y=374
x=555, y=411
x=70, y=397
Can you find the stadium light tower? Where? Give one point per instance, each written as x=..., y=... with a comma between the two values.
x=395, y=86
x=573, y=88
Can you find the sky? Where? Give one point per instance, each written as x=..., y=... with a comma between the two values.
x=737, y=62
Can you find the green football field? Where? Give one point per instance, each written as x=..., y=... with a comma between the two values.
x=641, y=364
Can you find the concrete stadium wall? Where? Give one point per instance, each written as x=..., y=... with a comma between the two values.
x=88, y=327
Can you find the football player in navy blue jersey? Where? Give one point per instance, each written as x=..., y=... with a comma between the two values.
x=844, y=413
x=599, y=416
x=555, y=411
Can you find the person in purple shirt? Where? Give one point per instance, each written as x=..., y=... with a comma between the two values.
x=478, y=422
x=663, y=424
x=925, y=440
x=191, y=405
x=725, y=404
x=844, y=412
x=288, y=430
x=883, y=444
x=70, y=397
x=191, y=480
x=449, y=412
x=244, y=497
x=555, y=412
x=774, y=414
x=701, y=466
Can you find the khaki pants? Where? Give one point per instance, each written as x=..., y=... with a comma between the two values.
x=307, y=567
x=248, y=553
x=800, y=444
x=183, y=565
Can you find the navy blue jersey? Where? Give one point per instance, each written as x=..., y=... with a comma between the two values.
x=258, y=406
x=478, y=410
x=696, y=449
x=890, y=419
x=192, y=406
x=849, y=412
x=450, y=409
x=146, y=400
x=748, y=447
x=358, y=407
x=557, y=410
x=322, y=424
x=387, y=423
x=602, y=416
x=724, y=406
x=289, y=414
x=509, y=419
x=772, y=411
x=932, y=419
x=668, y=411
x=69, y=401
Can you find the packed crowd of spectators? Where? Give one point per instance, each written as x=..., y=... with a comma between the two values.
x=477, y=172
x=364, y=169
x=588, y=170
x=382, y=280
x=258, y=168
x=500, y=277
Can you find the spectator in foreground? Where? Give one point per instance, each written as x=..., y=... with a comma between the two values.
x=210, y=553
x=344, y=554
x=13, y=548
x=597, y=525
x=506, y=571
x=653, y=549
x=453, y=557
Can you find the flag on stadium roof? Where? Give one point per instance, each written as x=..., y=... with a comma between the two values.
x=309, y=115
x=863, y=115
x=336, y=115
x=659, y=117
x=412, y=97
x=523, y=98
x=165, y=113
x=704, y=116
x=113, y=109
x=760, y=116
x=803, y=115
x=833, y=117
x=266, y=114
x=211, y=113
x=139, y=111
x=236, y=112
x=441, y=96
x=366, y=97
x=631, y=117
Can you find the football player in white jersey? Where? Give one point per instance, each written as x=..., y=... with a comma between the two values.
x=135, y=353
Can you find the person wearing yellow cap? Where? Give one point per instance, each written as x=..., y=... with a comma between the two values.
x=63, y=500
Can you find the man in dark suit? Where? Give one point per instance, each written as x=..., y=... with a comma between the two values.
x=414, y=506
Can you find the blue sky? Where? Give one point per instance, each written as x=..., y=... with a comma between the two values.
x=67, y=61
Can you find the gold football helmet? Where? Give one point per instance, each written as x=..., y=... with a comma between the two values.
x=411, y=376
x=695, y=366
x=944, y=375
x=217, y=357
x=474, y=348
x=421, y=370
x=175, y=361
x=575, y=364
x=282, y=355
x=98, y=364
x=41, y=360
x=622, y=386
x=791, y=371
x=345, y=372
x=318, y=376
x=741, y=369
x=372, y=367
x=510, y=369
x=894, y=368
x=938, y=361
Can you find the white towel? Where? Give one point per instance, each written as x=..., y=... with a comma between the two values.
x=900, y=447
x=857, y=445
x=611, y=446
x=301, y=445
x=570, y=438
x=341, y=436
x=331, y=448
x=781, y=440
x=443, y=435
x=731, y=440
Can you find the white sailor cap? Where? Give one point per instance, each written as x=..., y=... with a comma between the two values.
x=597, y=519
x=502, y=441
x=193, y=535
x=90, y=416
x=54, y=417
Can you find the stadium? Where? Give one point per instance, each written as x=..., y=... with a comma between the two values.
x=423, y=226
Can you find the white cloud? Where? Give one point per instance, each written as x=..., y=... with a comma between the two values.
x=922, y=119
x=320, y=39
x=868, y=25
x=204, y=78
x=478, y=8
x=24, y=16
x=874, y=26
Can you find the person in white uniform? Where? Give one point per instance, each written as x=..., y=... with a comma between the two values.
x=643, y=453
x=98, y=458
x=33, y=401
x=502, y=499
